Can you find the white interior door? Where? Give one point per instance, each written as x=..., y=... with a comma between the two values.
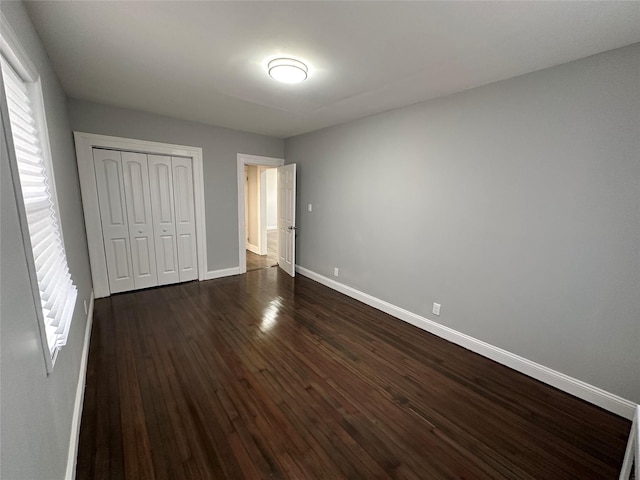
x=185, y=218
x=113, y=217
x=141, y=234
x=162, y=206
x=287, y=218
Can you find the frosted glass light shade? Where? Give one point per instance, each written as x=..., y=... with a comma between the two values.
x=287, y=70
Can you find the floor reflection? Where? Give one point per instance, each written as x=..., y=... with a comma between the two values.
x=270, y=315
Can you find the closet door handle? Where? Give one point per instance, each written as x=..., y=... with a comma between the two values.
x=139, y=231
x=164, y=230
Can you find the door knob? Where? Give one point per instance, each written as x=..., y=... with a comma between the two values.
x=293, y=228
x=139, y=231
x=164, y=230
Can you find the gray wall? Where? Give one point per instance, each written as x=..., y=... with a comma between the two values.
x=35, y=409
x=515, y=205
x=220, y=147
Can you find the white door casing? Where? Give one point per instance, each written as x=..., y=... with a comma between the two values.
x=162, y=203
x=244, y=159
x=287, y=218
x=135, y=173
x=185, y=218
x=113, y=217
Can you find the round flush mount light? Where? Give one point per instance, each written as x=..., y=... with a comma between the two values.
x=287, y=70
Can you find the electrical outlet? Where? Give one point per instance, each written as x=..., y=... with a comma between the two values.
x=336, y=272
x=85, y=308
x=436, y=308
x=310, y=207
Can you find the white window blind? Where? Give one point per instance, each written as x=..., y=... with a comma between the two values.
x=57, y=291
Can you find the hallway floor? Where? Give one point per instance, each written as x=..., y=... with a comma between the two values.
x=255, y=261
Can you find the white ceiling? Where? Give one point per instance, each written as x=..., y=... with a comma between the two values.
x=205, y=61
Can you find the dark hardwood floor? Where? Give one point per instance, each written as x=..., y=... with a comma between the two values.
x=265, y=376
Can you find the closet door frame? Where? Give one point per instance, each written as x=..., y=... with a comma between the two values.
x=85, y=143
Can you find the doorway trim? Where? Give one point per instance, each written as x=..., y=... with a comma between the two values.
x=85, y=143
x=246, y=159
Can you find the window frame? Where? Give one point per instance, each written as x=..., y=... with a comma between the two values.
x=16, y=56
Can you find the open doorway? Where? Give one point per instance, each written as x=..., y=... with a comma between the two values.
x=261, y=216
x=258, y=233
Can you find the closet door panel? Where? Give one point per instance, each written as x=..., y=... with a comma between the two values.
x=136, y=188
x=163, y=213
x=120, y=251
x=113, y=217
x=185, y=217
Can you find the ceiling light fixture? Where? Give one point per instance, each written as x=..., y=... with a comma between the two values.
x=287, y=70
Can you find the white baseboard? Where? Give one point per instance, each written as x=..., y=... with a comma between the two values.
x=225, y=272
x=253, y=248
x=578, y=388
x=79, y=402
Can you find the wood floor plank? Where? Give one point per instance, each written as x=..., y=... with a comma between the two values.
x=264, y=376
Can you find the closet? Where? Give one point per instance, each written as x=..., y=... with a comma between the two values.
x=147, y=215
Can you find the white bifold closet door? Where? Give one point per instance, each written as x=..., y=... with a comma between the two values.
x=113, y=215
x=148, y=218
x=185, y=218
x=136, y=191
x=161, y=180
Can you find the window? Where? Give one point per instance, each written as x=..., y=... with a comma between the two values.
x=53, y=287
